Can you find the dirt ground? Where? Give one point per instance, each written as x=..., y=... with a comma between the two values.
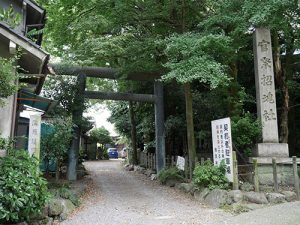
x=121, y=197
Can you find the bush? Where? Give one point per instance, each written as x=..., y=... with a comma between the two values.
x=22, y=191
x=210, y=176
x=172, y=173
x=246, y=132
x=105, y=155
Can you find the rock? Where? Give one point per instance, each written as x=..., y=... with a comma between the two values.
x=275, y=198
x=55, y=207
x=247, y=187
x=186, y=187
x=171, y=182
x=68, y=206
x=238, y=208
x=200, y=195
x=130, y=168
x=236, y=195
x=50, y=221
x=153, y=177
x=289, y=195
x=256, y=197
x=136, y=168
x=148, y=173
x=63, y=217
x=45, y=221
x=218, y=198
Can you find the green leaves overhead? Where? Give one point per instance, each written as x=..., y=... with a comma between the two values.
x=195, y=57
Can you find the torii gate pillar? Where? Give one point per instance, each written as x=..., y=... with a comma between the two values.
x=159, y=126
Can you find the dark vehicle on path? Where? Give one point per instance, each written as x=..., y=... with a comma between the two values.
x=112, y=153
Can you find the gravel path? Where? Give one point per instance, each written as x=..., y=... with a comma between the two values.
x=124, y=198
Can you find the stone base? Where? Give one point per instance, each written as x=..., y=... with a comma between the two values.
x=285, y=174
x=272, y=150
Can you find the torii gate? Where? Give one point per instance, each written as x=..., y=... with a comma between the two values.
x=99, y=72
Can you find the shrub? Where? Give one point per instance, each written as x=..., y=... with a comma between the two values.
x=246, y=132
x=105, y=155
x=210, y=176
x=172, y=173
x=22, y=191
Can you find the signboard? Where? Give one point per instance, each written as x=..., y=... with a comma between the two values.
x=222, y=145
x=34, y=135
x=180, y=162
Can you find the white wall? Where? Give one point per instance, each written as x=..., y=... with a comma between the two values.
x=7, y=119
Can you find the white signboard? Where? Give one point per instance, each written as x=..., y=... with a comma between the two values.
x=222, y=145
x=34, y=135
x=180, y=162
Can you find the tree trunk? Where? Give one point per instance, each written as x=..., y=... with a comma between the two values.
x=190, y=127
x=133, y=134
x=233, y=90
x=281, y=79
x=57, y=172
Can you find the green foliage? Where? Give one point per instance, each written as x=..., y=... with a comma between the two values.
x=63, y=89
x=7, y=144
x=246, y=132
x=56, y=142
x=105, y=155
x=192, y=57
x=210, y=176
x=8, y=77
x=23, y=192
x=10, y=17
x=172, y=173
x=100, y=135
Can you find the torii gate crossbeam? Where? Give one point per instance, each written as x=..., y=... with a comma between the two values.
x=157, y=99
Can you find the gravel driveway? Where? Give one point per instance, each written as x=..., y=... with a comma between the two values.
x=123, y=198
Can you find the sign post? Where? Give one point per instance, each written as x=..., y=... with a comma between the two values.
x=222, y=145
x=34, y=135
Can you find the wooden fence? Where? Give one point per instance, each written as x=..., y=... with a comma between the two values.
x=148, y=160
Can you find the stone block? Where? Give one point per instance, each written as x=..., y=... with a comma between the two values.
x=55, y=207
x=275, y=198
x=272, y=150
x=218, y=198
x=256, y=197
x=186, y=187
x=200, y=195
x=289, y=195
x=153, y=177
x=236, y=195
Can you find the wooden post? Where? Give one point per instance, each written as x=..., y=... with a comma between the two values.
x=235, y=183
x=202, y=160
x=148, y=161
x=275, y=178
x=186, y=167
x=296, y=176
x=256, y=181
x=172, y=160
x=151, y=161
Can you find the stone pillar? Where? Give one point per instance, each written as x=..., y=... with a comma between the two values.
x=265, y=96
x=159, y=126
x=76, y=119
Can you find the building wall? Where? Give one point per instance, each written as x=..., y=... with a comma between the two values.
x=7, y=111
